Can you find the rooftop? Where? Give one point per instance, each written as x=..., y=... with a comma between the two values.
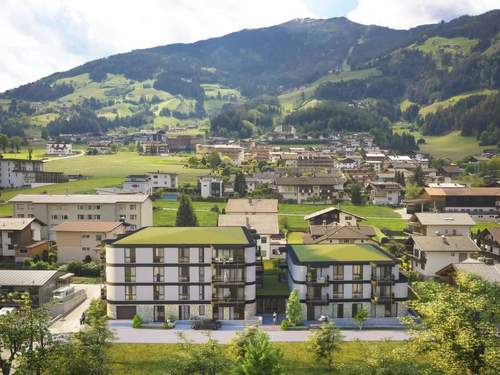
x=79, y=198
x=262, y=223
x=445, y=244
x=304, y=180
x=87, y=226
x=10, y=223
x=252, y=205
x=429, y=218
x=26, y=277
x=327, y=210
x=186, y=236
x=339, y=253
x=475, y=191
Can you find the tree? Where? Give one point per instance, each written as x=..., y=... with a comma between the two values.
x=412, y=191
x=360, y=317
x=294, y=314
x=185, y=213
x=213, y=160
x=15, y=143
x=418, y=177
x=240, y=184
x=324, y=342
x=30, y=150
x=458, y=332
x=258, y=356
x=4, y=142
x=356, y=197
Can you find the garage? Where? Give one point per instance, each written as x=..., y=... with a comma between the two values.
x=125, y=312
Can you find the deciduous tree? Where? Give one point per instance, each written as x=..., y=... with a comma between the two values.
x=324, y=342
x=294, y=314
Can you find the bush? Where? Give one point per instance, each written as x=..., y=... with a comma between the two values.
x=84, y=269
x=284, y=325
x=137, y=321
x=168, y=325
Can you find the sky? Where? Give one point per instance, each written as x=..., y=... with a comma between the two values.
x=42, y=37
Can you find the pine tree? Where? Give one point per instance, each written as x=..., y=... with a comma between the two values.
x=418, y=176
x=185, y=213
x=240, y=184
x=356, y=197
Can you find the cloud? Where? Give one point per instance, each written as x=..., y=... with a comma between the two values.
x=403, y=14
x=39, y=38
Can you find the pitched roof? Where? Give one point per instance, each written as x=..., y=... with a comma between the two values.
x=87, y=226
x=12, y=223
x=495, y=233
x=262, y=223
x=347, y=232
x=252, y=205
x=489, y=272
x=304, y=180
x=26, y=277
x=327, y=210
x=484, y=191
x=429, y=218
x=446, y=244
x=79, y=198
x=386, y=185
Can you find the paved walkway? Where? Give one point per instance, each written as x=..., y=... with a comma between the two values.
x=71, y=322
x=124, y=333
x=77, y=155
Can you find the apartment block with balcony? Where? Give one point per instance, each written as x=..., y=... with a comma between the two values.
x=337, y=280
x=184, y=273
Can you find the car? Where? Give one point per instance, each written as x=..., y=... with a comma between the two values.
x=208, y=324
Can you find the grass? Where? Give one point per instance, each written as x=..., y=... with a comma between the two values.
x=483, y=226
x=85, y=280
x=272, y=285
x=338, y=253
x=165, y=212
x=295, y=237
x=442, y=104
x=153, y=359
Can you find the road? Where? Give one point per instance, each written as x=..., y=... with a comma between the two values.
x=71, y=322
x=124, y=333
x=79, y=153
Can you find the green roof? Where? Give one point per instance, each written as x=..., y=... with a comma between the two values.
x=339, y=253
x=186, y=236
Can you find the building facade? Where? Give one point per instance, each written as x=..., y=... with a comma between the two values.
x=22, y=238
x=211, y=186
x=59, y=149
x=323, y=189
x=163, y=180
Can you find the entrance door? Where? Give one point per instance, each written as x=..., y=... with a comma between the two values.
x=226, y=313
x=184, y=312
x=125, y=312
x=340, y=311
x=310, y=312
x=159, y=313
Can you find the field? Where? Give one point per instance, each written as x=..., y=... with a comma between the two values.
x=152, y=359
x=442, y=104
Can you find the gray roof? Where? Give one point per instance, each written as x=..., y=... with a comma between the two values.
x=12, y=223
x=79, y=198
x=489, y=272
x=445, y=244
x=429, y=218
x=26, y=277
x=262, y=223
x=255, y=205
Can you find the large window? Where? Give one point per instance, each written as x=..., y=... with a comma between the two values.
x=338, y=290
x=357, y=290
x=158, y=292
x=338, y=272
x=183, y=292
x=130, y=274
x=158, y=274
x=183, y=255
x=158, y=255
x=357, y=272
x=201, y=275
x=183, y=273
x=130, y=293
x=129, y=255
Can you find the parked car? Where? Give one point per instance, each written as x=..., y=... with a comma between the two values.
x=210, y=324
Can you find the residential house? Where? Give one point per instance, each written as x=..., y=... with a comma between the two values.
x=234, y=152
x=59, y=149
x=432, y=253
x=99, y=147
x=138, y=184
x=252, y=206
x=325, y=189
x=340, y=234
x=22, y=238
x=16, y=173
x=163, y=180
x=482, y=267
x=385, y=193
x=333, y=215
x=187, y=273
x=183, y=143
x=438, y=224
x=451, y=171
x=337, y=280
x=315, y=162
x=489, y=240
x=134, y=209
x=211, y=186
x=82, y=240
x=154, y=148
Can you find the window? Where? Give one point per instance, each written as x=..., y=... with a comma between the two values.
x=183, y=292
x=338, y=272
x=130, y=274
x=132, y=207
x=133, y=217
x=130, y=293
x=97, y=217
x=263, y=239
x=98, y=237
x=201, y=255
x=201, y=275
x=129, y=255
x=357, y=290
x=184, y=274
x=357, y=272
x=201, y=310
x=158, y=292
x=65, y=217
x=462, y=257
x=158, y=255
x=183, y=255
x=158, y=274
x=85, y=248
x=355, y=308
x=81, y=217
x=89, y=217
x=54, y=217
x=122, y=217
x=85, y=236
x=202, y=292
x=338, y=290
x=81, y=207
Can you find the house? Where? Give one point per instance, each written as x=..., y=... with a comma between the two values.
x=482, y=267
x=482, y=203
x=385, y=193
x=337, y=280
x=489, y=240
x=154, y=148
x=438, y=224
x=315, y=161
x=451, y=171
x=326, y=189
x=211, y=186
x=376, y=157
x=288, y=159
x=340, y=234
x=38, y=283
x=259, y=179
x=138, y=184
x=163, y=180
x=234, y=152
x=333, y=215
x=252, y=206
x=22, y=238
x=183, y=143
x=134, y=209
x=266, y=226
x=59, y=149
x=82, y=240
x=187, y=273
x=431, y=253
x=350, y=162
x=16, y=173
x=99, y=147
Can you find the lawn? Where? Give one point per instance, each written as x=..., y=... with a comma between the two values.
x=153, y=359
x=483, y=226
x=295, y=237
x=338, y=253
x=272, y=285
x=442, y=104
x=165, y=212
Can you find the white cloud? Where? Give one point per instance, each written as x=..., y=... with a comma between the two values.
x=403, y=14
x=39, y=38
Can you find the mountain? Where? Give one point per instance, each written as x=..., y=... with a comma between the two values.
x=304, y=63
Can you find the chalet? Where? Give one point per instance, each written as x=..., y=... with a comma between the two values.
x=489, y=240
x=385, y=193
x=438, y=224
x=482, y=267
x=22, y=238
x=326, y=189
x=340, y=234
x=314, y=162
x=183, y=143
x=59, y=149
x=333, y=215
x=99, y=147
x=349, y=162
x=259, y=179
x=451, y=171
x=154, y=148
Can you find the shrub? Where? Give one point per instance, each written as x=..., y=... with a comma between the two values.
x=137, y=321
x=84, y=269
x=284, y=325
x=168, y=325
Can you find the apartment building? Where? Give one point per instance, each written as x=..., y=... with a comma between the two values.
x=134, y=209
x=438, y=224
x=22, y=238
x=164, y=180
x=82, y=240
x=211, y=186
x=141, y=184
x=324, y=189
x=337, y=280
x=185, y=273
x=59, y=149
x=385, y=193
x=21, y=172
x=234, y=152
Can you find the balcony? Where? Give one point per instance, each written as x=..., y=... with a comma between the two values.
x=227, y=299
x=321, y=280
x=382, y=279
x=183, y=297
x=183, y=279
x=222, y=280
x=377, y=298
x=184, y=259
x=318, y=300
x=228, y=261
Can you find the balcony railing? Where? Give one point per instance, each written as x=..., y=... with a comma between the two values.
x=227, y=299
x=183, y=279
x=183, y=297
x=184, y=259
x=318, y=300
x=377, y=298
x=319, y=280
x=227, y=280
x=382, y=279
x=228, y=260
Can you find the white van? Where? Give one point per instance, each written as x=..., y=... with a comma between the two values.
x=62, y=293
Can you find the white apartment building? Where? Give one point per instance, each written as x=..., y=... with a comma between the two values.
x=336, y=280
x=12, y=171
x=184, y=273
x=439, y=224
x=59, y=149
x=211, y=186
x=134, y=209
x=164, y=180
x=139, y=184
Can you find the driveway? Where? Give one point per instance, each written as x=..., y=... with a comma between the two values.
x=124, y=333
x=71, y=322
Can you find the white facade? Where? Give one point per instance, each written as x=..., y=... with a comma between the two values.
x=138, y=185
x=12, y=171
x=211, y=187
x=163, y=180
x=59, y=149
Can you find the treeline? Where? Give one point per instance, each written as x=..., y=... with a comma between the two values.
x=178, y=86
x=40, y=91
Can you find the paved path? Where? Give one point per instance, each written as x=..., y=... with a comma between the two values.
x=71, y=322
x=79, y=153
x=124, y=333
